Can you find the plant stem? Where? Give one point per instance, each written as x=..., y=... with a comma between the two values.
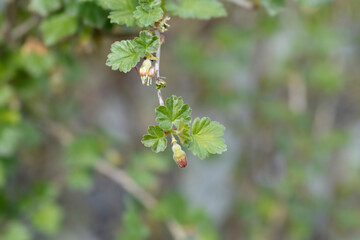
x=173, y=139
x=157, y=69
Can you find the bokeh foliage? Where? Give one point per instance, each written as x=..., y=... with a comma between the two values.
x=284, y=75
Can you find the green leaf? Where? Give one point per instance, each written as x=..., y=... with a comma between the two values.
x=15, y=231
x=183, y=132
x=146, y=43
x=80, y=179
x=81, y=155
x=202, y=9
x=9, y=140
x=121, y=11
x=44, y=7
x=47, y=218
x=93, y=15
x=147, y=5
x=3, y=174
x=123, y=56
x=207, y=138
x=58, y=27
x=146, y=18
x=133, y=227
x=155, y=139
x=171, y=114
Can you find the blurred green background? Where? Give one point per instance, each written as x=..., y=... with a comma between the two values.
x=284, y=85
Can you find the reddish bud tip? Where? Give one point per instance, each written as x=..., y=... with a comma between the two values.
x=179, y=155
x=182, y=162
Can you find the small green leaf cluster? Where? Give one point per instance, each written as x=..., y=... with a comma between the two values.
x=145, y=12
x=66, y=18
x=203, y=138
x=150, y=14
x=127, y=53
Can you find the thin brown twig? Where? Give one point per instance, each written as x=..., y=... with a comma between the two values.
x=24, y=28
x=121, y=178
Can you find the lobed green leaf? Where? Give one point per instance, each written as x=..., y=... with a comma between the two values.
x=147, y=17
x=123, y=56
x=173, y=111
x=147, y=5
x=207, y=138
x=155, y=139
x=146, y=43
x=121, y=11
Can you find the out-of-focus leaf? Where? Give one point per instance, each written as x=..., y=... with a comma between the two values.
x=202, y=9
x=273, y=7
x=47, y=218
x=15, y=231
x=6, y=93
x=151, y=162
x=80, y=158
x=144, y=178
x=44, y=7
x=9, y=139
x=79, y=179
x=132, y=225
x=93, y=15
x=38, y=64
x=58, y=27
x=2, y=174
x=121, y=11
x=172, y=205
x=145, y=166
x=207, y=138
x=325, y=77
x=10, y=116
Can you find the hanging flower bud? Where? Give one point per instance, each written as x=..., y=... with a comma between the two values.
x=146, y=72
x=179, y=155
x=151, y=75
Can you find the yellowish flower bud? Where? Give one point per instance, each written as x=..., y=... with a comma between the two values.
x=146, y=72
x=179, y=155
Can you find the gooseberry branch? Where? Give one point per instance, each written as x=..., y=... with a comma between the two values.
x=157, y=69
